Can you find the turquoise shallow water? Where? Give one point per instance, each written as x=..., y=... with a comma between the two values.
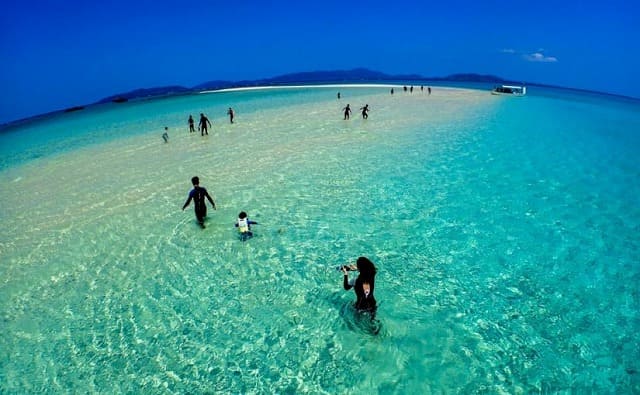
x=504, y=231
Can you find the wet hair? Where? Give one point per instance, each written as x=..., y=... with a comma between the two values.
x=365, y=267
x=242, y=215
x=195, y=180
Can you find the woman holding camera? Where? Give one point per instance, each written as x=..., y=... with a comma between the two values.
x=363, y=285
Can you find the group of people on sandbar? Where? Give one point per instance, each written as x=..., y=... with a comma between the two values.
x=364, y=111
x=205, y=123
x=411, y=89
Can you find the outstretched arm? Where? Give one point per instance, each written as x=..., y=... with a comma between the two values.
x=211, y=200
x=187, y=202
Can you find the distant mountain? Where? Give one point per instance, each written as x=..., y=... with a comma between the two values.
x=146, y=92
x=333, y=75
x=354, y=75
x=308, y=77
x=212, y=85
x=469, y=78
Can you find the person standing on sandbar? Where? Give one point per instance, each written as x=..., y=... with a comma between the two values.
x=347, y=111
x=365, y=111
x=165, y=135
x=192, y=129
x=203, y=125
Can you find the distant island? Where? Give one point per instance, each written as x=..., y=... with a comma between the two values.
x=360, y=75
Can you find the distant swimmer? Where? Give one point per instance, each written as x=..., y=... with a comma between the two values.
x=192, y=129
x=347, y=111
x=198, y=194
x=231, y=114
x=411, y=89
x=203, y=125
x=392, y=91
x=365, y=111
x=429, y=90
x=338, y=95
x=421, y=88
x=165, y=135
x=243, y=223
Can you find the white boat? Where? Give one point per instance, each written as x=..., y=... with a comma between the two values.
x=509, y=90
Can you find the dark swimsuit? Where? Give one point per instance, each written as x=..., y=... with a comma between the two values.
x=203, y=125
x=198, y=195
x=363, y=303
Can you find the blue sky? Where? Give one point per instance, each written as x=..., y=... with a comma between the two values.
x=58, y=54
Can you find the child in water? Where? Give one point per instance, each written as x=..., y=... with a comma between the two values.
x=244, y=226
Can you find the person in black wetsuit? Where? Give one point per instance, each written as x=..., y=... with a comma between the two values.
x=198, y=194
x=365, y=111
x=363, y=286
x=203, y=124
x=165, y=135
x=347, y=111
x=231, y=114
x=192, y=129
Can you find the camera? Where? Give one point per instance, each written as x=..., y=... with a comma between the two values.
x=339, y=268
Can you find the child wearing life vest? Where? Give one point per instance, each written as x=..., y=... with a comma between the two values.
x=244, y=225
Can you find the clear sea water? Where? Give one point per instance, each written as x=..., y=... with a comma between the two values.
x=505, y=232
